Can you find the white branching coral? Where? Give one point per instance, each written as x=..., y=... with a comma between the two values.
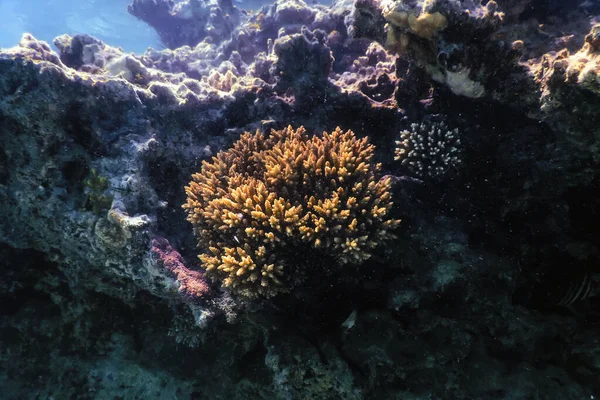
x=429, y=150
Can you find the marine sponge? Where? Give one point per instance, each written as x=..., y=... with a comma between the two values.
x=258, y=205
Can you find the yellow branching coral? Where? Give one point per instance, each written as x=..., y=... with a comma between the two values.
x=267, y=195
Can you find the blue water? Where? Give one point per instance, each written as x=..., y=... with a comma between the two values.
x=107, y=20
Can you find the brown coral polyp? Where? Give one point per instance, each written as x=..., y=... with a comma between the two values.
x=256, y=202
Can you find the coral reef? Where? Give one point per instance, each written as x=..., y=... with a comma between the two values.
x=433, y=36
x=373, y=75
x=493, y=272
x=256, y=204
x=306, y=76
x=565, y=76
x=474, y=52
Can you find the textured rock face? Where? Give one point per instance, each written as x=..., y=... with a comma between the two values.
x=101, y=293
x=50, y=138
x=477, y=51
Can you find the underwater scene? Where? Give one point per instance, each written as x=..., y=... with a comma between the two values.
x=339, y=200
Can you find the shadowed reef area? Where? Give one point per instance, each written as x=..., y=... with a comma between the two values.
x=412, y=214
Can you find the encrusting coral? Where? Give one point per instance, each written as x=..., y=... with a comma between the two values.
x=257, y=204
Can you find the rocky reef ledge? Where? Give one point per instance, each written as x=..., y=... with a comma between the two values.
x=487, y=288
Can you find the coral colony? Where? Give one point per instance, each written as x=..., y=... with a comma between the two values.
x=385, y=199
x=429, y=151
x=269, y=194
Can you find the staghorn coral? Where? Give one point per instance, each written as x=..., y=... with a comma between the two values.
x=257, y=203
